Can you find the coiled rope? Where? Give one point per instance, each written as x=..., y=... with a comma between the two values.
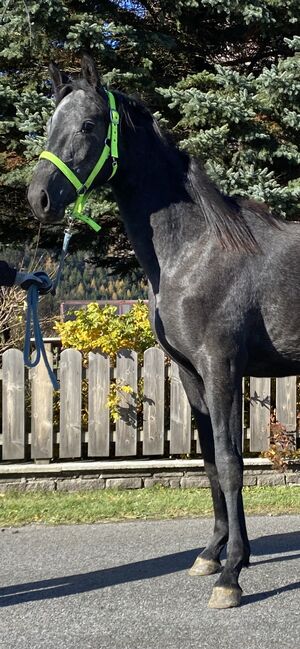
x=32, y=323
x=32, y=315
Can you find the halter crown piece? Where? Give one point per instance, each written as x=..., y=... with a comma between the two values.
x=110, y=150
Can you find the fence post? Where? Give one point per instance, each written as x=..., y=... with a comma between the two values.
x=70, y=403
x=98, y=411
x=41, y=411
x=260, y=407
x=126, y=426
x=180, y=415
x=13, y=387
x=286, y=402
x=154, y=402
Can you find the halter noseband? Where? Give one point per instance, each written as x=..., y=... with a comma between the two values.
x=110, y=150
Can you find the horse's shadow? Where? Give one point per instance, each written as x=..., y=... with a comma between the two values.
x=275, y=544
x=85, y=582
x=148, y=569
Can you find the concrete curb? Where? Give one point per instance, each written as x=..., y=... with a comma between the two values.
x=32, y=468
x=131, y=474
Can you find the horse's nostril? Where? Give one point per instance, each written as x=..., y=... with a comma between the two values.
x=45, y=201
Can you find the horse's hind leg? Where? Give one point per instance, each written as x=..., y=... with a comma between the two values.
x=208, y=562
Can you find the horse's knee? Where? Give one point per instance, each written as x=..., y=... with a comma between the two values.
x=230, y=473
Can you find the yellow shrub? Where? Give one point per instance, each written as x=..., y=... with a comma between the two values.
x=96, y=328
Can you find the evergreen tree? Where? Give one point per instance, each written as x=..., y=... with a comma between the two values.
x=223, y=76
x=245, y=127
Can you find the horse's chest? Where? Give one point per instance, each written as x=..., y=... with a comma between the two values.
x=169, y=329
x=178, y=312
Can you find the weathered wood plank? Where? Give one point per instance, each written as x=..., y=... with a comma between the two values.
x=13, y=411
x=98, y=424
x=126, y=426
x=180, y=415
x=154, y=402
x=286, y=402
x=70, y=403
x=260, y=405
x=41, y=411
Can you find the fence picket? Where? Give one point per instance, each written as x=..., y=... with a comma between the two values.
x=126, y=426
x=154, y=401
x=13, y=408
x=260, y=405
x=180, y=415
x=286, y=402
x=98, y=411
x=41, y=411
x=70, y=403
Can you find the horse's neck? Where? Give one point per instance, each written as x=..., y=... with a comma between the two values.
x=158, y=211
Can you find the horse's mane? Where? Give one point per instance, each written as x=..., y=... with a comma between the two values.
x=224, y=215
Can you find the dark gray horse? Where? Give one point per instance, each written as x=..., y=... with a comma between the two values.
x=224, y=277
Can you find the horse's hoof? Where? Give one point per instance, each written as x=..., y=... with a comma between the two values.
x=203, y=567
x=225, y=597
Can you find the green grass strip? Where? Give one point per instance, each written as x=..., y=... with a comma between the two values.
x=113, y=505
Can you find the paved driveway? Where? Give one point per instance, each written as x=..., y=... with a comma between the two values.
x=125, y=586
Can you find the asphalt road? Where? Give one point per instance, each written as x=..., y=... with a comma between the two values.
x=125, y=586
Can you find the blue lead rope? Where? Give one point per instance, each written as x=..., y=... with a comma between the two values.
x=32, y=322
x=32, y=315
x=67, y=236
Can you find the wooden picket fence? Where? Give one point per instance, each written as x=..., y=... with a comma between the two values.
x=34, y=427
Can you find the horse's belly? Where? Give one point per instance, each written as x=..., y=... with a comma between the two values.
x=276, y=356
x=264, y=368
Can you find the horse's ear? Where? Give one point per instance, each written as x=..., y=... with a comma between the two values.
x=58, y=78
x=89, y=71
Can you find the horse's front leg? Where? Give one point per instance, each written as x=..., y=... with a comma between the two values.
x=208, y=562
x=224, y=399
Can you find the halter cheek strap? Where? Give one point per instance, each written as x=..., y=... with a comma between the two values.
x=110, y=150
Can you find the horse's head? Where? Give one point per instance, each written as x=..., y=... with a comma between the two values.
x=77, y=135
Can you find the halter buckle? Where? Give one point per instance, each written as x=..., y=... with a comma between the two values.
x=82, y=190
x=114, y=116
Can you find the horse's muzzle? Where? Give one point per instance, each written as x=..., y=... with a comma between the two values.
x=42, y=206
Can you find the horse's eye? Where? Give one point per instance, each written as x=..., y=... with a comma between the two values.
x=87, y=127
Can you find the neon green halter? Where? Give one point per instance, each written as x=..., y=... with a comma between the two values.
x=110, y=150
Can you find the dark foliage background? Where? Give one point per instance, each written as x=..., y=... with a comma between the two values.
x=223, y=76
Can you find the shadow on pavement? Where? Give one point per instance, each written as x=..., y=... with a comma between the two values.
x=275, y=544
x=259, y=597
x=81, y=583
x=148, y=569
